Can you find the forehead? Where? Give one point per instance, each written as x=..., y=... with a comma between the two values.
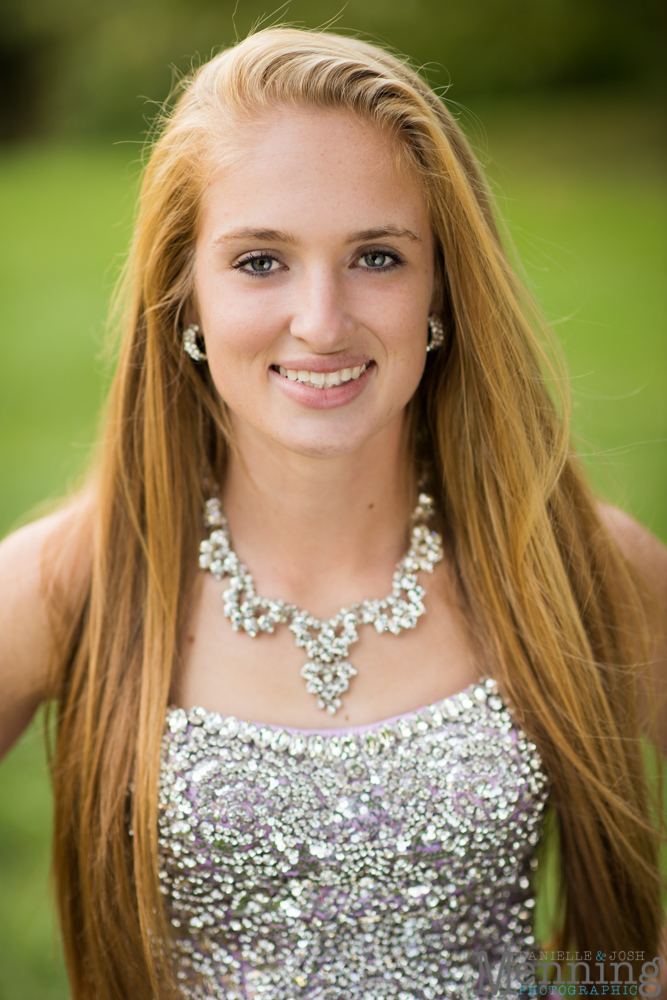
x=310, y=168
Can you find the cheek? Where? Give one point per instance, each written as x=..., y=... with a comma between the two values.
x=233, y=322
x=237, y=341
x=407, y=348
x=411, y=371
x=234, y=368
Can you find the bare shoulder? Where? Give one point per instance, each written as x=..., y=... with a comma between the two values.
x=639, y=546
x=51, y=545
x=649, y=557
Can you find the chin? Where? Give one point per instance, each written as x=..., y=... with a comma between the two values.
x=326, y=446
x=321, y=435
x=323, y=449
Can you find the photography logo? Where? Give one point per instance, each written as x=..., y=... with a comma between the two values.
x=531, y=974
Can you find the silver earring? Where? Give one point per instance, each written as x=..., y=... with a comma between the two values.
x=190, y=345
x=436, y=333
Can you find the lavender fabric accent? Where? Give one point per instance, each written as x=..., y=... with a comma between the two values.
x=365, y=863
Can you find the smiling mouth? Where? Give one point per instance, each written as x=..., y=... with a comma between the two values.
x=323, y=380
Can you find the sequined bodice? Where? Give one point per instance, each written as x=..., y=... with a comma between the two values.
x=363, y=864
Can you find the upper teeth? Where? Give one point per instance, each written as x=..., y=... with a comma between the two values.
x=322, y=380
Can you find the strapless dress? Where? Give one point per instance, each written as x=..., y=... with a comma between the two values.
x=363, y=864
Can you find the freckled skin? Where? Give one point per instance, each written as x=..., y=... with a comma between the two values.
x=315, y=498
x=318, y=301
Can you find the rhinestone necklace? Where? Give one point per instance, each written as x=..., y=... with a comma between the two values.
x=327, y=672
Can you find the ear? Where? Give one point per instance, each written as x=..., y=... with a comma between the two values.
x=189, y=312
x=438, y=296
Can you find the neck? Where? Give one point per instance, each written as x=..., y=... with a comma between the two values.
x=320, y=533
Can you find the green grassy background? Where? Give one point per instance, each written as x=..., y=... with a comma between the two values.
x=580, y=183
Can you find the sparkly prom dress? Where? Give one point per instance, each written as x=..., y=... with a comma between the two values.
x=364, y=864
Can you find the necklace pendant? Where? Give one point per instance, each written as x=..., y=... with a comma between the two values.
x=327, y=681
x=328, y=671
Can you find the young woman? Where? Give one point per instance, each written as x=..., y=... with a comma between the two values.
x=310, y=788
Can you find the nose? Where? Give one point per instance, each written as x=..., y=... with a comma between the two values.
x=320, y=318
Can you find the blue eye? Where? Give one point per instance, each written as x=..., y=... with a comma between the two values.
x=262, y=263
x=377, y=259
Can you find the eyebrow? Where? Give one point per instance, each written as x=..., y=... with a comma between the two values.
x=364, y=235
x=279, y=236
x=261, y=235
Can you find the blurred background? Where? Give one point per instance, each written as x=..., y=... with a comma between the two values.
x=561, y=99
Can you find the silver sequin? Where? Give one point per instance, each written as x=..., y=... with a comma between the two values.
x=365, y=865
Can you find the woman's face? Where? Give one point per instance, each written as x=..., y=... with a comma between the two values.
x=313, y=283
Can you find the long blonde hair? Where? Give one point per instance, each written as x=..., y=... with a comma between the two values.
x=543, y=582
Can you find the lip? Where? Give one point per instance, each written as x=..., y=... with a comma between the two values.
x=325, y=365
x=333, y=396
